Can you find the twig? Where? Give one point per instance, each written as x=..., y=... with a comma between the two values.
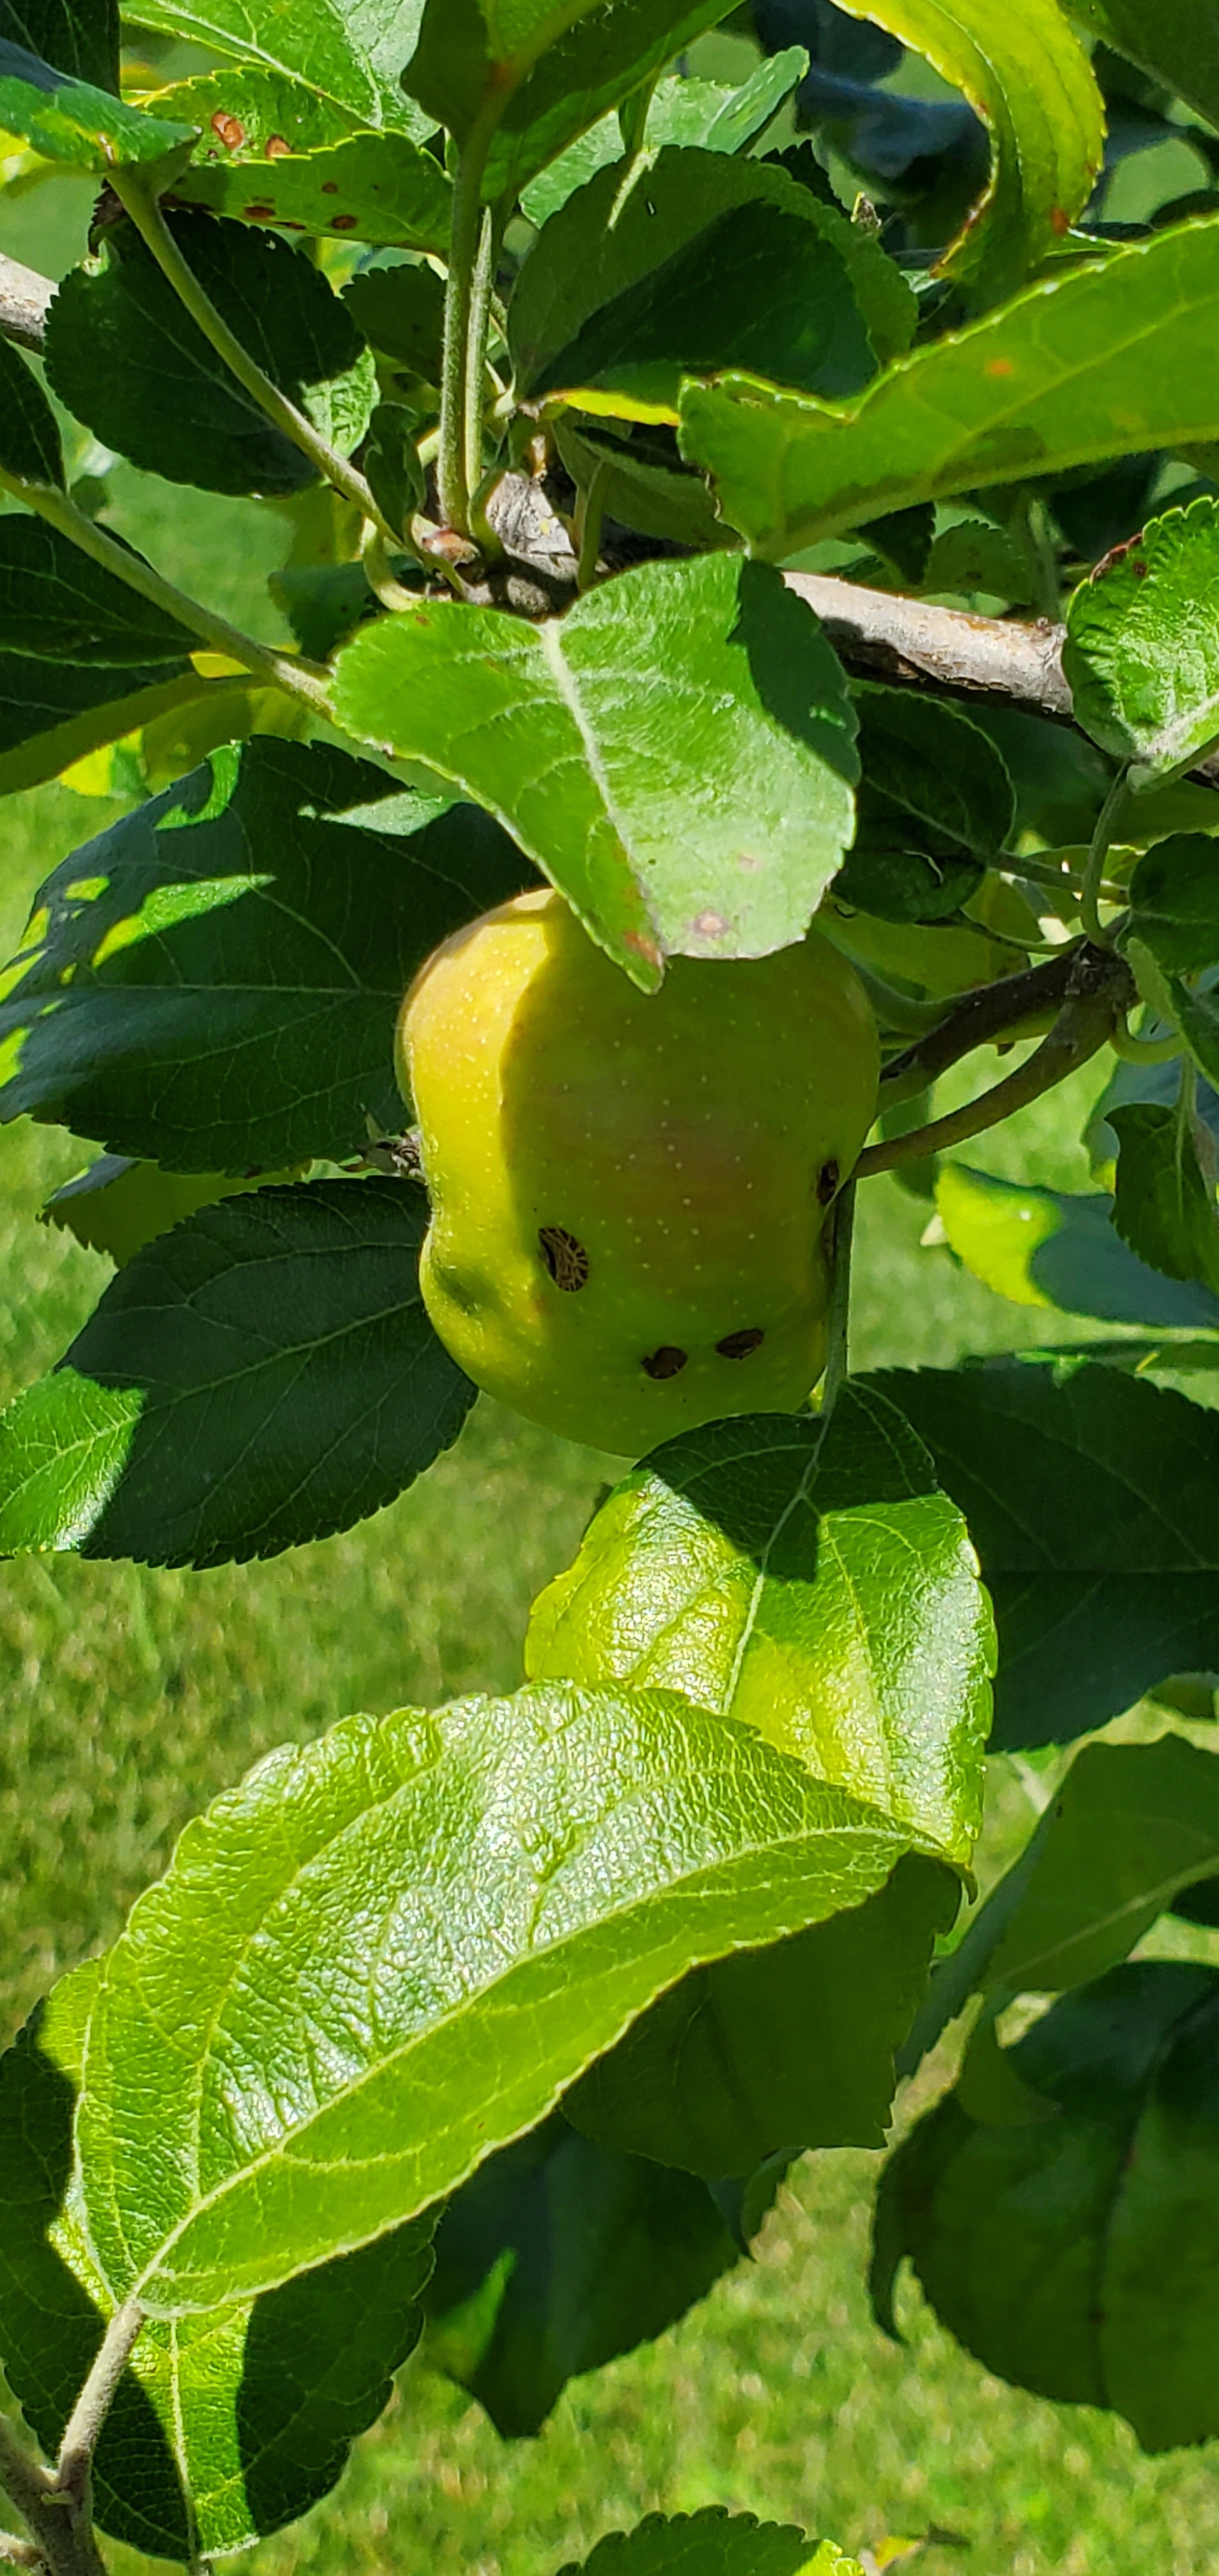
x=25, y=300
x=991, y=1012
x=63, y=2541
x=1101, y=985
x=1018, y=662
x=94, y=2403
x=141, y=204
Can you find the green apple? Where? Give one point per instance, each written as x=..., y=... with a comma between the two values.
x=631, y=1192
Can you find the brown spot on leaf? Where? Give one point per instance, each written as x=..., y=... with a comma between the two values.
x=709, y=925
x=737, y=1346
x=330, y=187
x=259, y=214
x=827, y=1183
x=1060, y=221
x=641, y=947
x=999, y=367
x=565, y=1258
x=666, y=1362
x=277, y=149
x=229, y=130
x=1117, y=555
x=343, y=223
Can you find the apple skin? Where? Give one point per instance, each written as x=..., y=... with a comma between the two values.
x=631, y=1192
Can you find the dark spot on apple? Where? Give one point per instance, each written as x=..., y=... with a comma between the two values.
x=737, y=1346
x=666, y=1362
x=565, y=1258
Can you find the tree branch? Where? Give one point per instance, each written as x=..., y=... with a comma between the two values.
x=891, y=638
x=25, y=299
x=1099, y=988
x=62, y=2536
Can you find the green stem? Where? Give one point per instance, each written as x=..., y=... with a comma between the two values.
x=1039, y=872
x=147, y=216
x=589, y=521
x=1098, y=851
x=1143, y=1051
x=299, y=678
x=1082, y=1026
x=465, y=239
x=477, y=331
x=837, y=1363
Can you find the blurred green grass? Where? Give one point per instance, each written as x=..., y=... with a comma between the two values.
x=130, y=1697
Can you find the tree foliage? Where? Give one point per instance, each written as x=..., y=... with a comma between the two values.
x=669, y=466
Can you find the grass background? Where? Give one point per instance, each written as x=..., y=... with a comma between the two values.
x=130, y=1697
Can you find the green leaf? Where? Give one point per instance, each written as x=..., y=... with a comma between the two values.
x=687, y=269
x=350, y=52
x=375, y=187
x=1128, y=1829
x=56, y=601
x=701, y=113
x=811, y=1580
x=68, y=120
x=787, y=2047
x=1060, y=1249
x=117, y=1206
x=249, y=112
x=976, y=556
x=1174, y=901
x=391, y=463
x=214, y=982
x=1142, y=646
x=1164, y=1207
x=1091, y=1499
x=80, y=36
x=401, y=311
x=704, y=820
x=1105, y=361
x=1074, y=2250
x=544, y=1866
x=127, y=359
x=232, y=2423
x=53, y=713
x=934, y=803
x=712, y=2543
x=643, y=481
x=544, y=70
x=30, y=453
x=260, y=1377
x=1029, y=80
x=1176, y=43
x=558, y=2255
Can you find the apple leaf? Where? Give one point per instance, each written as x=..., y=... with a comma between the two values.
x=214, y=983
x=223, y=2427
x=261, y=1376
x=758, y=1565
x=67, y=120
x=1068, y=2237
x=701, y=818
x=1090, y=1497
x=369, y=187
x=30, y=453
x=1142, y=646
x=349, y=52
x=1176, y=43
x=712, y=2543
x=1174, y=901
x=620, y=295
x=1163, y=1205
x=1105, y=361
x=1031, y=83
x=558, y=2254
x=80, y=36
x=544, y=71
x=436, y=1922
x=126, y=358
x=1060, y=1249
